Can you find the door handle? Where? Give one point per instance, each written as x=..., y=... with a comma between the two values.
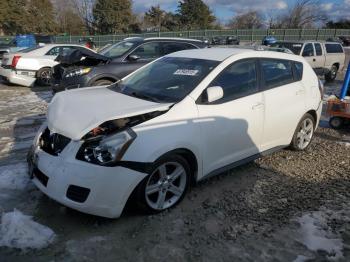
x=257, y=106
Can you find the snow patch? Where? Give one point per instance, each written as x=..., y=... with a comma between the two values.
x=20, y=231
x=316, y=235
x=14, y=176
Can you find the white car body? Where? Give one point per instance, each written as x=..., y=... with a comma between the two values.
x=219, y=136
x=29, y=63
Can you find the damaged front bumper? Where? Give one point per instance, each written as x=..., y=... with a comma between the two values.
x=92, y=189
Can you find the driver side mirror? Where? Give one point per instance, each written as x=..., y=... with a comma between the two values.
x=214, y=93
x=133, y=57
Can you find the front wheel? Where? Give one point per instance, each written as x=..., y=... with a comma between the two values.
x=332, y=74
x=166, y=185
x=303, y=134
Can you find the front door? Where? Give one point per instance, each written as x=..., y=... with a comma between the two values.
x=231, y=128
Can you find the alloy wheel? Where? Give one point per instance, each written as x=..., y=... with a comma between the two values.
x=166, y=185
x=305, y=133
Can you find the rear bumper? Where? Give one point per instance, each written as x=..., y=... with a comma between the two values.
x=14, y=78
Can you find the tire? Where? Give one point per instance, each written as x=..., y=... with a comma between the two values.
x=336, y=122
x=332, y=74
x=158, y=192
x=304, y=133
x=44, y=76
x=102, y=82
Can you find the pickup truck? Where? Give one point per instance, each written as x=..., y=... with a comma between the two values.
x=326, y=58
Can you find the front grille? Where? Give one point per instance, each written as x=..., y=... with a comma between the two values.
x=77, y=193
x=41, y=176
x=53, y=144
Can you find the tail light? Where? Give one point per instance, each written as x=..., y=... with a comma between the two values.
x=15, y=60
x=321, y=88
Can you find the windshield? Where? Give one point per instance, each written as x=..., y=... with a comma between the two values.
x=294, y=47
x=169, y=79
x=118, y=49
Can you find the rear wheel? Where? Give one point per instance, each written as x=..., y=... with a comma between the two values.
x=336, y=122
x=44, y=76
x=166, y=185
x=102, y=82
x=304, y=133
x=332, y=74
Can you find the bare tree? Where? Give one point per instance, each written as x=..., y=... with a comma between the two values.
x=304, y=14
x=84, y=10
x=249, y=20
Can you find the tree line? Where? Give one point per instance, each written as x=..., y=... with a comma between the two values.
x=77, y=17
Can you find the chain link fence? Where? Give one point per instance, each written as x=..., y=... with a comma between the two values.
x=246, y=35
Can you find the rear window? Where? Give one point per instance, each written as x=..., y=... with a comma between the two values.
x=30, y=49
x=276, y=72
x=334, y=48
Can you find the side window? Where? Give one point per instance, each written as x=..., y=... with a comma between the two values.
x=334, y=48
x=298, y=71
x=170, y=47
x=66, y=50
x=238, y=80
x=318, y=49
x=308, y=50
x=148, y=51
x=276, y=72
x=54, y=51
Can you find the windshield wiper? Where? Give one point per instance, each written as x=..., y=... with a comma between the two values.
x=143, y=96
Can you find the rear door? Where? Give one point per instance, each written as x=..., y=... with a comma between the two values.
x=320, y=59
x=284, y=99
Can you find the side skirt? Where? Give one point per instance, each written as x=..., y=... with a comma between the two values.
x=242, y=162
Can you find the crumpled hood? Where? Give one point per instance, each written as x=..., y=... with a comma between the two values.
x=74, y=113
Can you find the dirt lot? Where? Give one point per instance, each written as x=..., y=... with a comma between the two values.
x=285, y=207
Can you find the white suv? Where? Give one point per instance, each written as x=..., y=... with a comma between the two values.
x=177, y=120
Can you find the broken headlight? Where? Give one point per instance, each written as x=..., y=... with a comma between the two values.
x=106, y=150
x=78, y=72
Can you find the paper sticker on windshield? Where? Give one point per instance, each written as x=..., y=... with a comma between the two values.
x=186, y=72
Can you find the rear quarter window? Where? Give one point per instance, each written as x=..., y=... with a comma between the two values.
x=334, y=48
x=298, y=71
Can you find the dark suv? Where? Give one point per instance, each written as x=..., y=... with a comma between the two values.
x=115, y=62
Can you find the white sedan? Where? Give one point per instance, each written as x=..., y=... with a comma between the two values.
x=182, y=118
x=33, y=64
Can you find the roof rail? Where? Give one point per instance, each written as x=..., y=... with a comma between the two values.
x=259, y=48
x=274, y=49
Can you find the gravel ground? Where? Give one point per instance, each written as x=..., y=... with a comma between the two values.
x=289, y=206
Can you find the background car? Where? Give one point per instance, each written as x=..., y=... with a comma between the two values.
x=33, y=64
x=232, y=40
x=115, y=62
x=180, y=119
x=268, y=40
x=21, y=42
x=326, y=58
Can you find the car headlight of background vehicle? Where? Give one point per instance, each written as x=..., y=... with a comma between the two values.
x=106, y=150
x=78, y=72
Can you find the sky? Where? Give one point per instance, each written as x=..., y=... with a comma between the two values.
x=224, y=10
